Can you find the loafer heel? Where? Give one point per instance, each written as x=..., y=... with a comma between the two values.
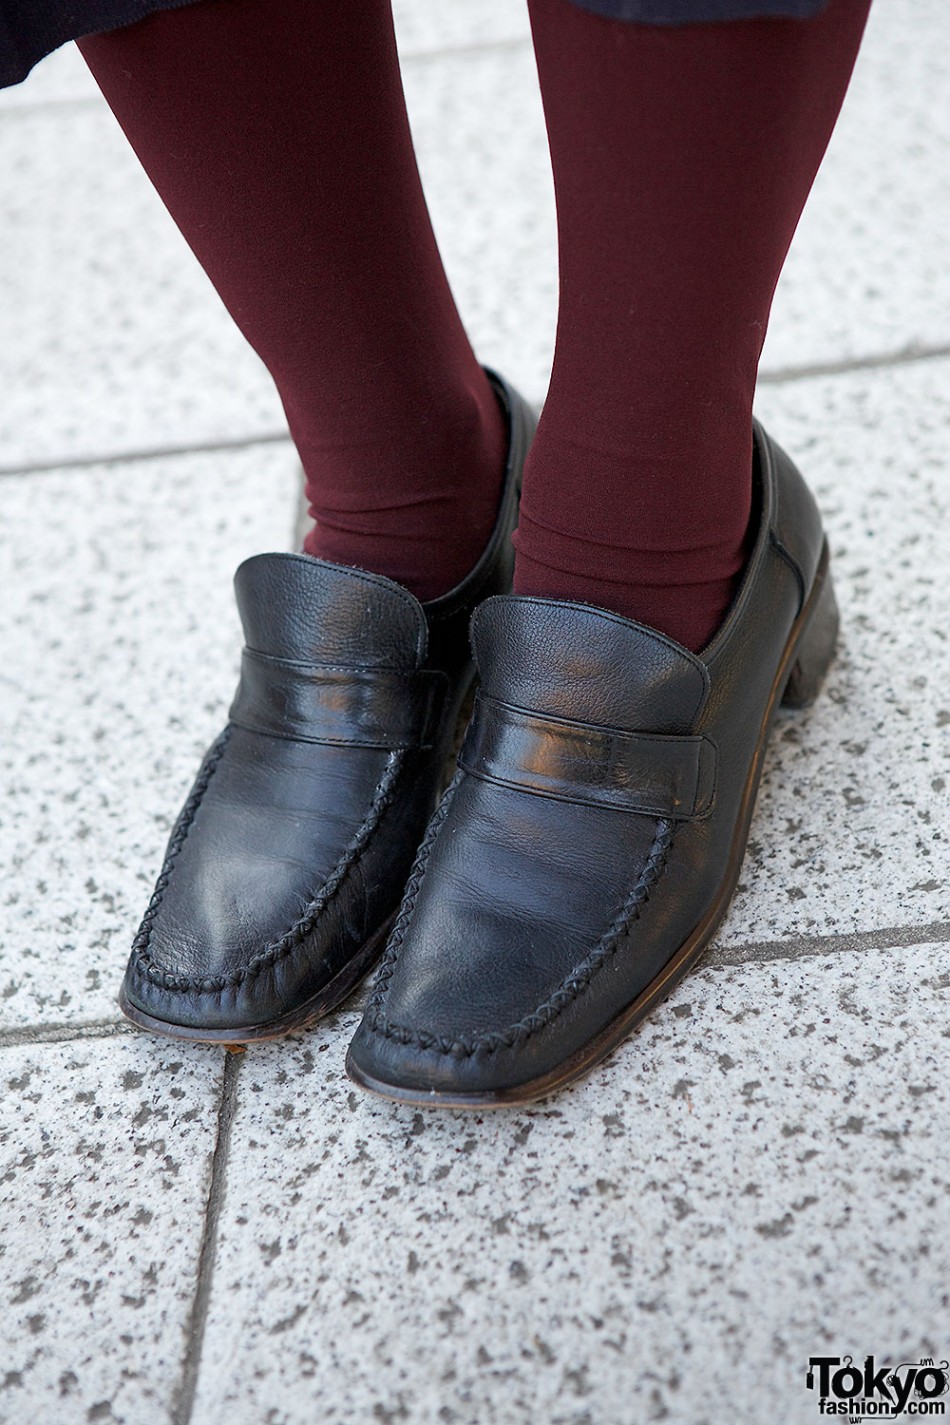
x=816, y=648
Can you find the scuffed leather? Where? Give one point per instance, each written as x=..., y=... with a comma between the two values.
x=530, y=921
x=295, y=843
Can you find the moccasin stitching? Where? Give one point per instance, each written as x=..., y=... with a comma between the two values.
x=387, y=965
x=297, y=933
x=574, y=985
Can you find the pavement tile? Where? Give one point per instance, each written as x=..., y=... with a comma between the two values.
x=852, y=830
x=757, y=1176
x=142, y=354
x=423, y=27
x=868, y=271
x=121, y=646
x=112, y=340
x=105, y=1154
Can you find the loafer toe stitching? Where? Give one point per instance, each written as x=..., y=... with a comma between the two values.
x=387, y=964
x=182, y=828
x=292, y=938
x=570, y=989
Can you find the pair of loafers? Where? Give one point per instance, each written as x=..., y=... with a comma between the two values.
x=576, y=867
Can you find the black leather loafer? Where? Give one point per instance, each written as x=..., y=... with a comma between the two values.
x=587, y=848
x=290, y=856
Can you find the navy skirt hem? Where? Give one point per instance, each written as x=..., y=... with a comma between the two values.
x=701, y=12
x=31, y=29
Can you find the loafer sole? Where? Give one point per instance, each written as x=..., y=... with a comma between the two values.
x=808, y=655
x=330, y=996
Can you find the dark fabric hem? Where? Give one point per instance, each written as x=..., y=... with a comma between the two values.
x=701, y=12
x=25, y=41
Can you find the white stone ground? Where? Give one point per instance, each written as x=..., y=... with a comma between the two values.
x=761, y=1173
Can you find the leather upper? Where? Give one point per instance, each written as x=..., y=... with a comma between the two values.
x=601, y=800
x=295, y=843
x=572, y=660
x=650, y=773
x=293, y=606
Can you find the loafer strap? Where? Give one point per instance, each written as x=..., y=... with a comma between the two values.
x=649, y=773
x=388, y=708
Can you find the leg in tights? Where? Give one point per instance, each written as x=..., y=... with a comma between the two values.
x=682, y=159
x=280, y=144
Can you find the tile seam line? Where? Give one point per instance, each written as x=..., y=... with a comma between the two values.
x=419, y=56
x=183, y=1400
x=895, y=937
x=781, y=376
x=805, y=947
x=158, y=452
x=65, y=1033
x=909, y=355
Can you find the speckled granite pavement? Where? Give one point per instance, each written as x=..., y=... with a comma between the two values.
x=760, y=1175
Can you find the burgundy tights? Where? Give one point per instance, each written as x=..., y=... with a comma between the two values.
x=682, y=159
